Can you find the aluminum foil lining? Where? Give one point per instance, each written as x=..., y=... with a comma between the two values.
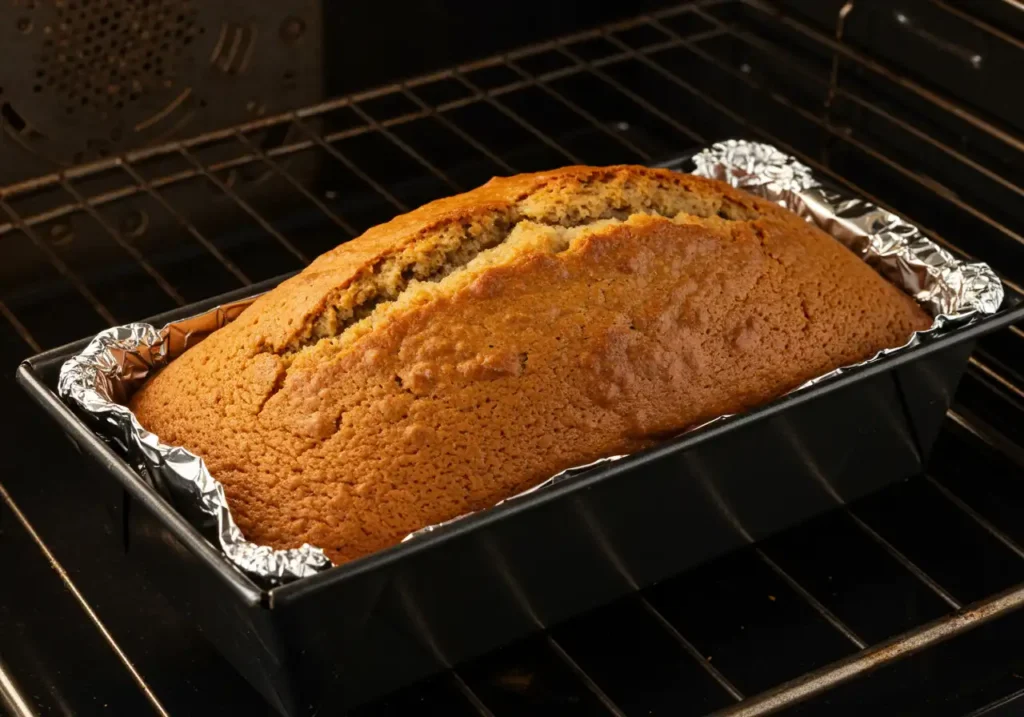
x=100, y=379
x=951, y=290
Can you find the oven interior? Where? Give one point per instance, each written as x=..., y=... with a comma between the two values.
x=159, y=154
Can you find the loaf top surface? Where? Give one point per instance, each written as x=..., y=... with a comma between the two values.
x=469, y=349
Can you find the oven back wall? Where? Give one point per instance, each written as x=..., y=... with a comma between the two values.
x=383, y=42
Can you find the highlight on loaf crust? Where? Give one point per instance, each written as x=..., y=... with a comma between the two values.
x=467, y=350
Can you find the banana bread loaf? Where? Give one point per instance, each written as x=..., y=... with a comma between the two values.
x=465, y=351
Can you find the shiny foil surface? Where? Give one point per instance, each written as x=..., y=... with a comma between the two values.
x=100, y=380
x=949, y=289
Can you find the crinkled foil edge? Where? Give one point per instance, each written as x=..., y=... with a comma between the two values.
x=106, y=373
x=99, y=380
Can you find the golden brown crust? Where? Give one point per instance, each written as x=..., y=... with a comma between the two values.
x=595, y=327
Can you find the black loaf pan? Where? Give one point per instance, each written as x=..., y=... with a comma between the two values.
x=329, y=642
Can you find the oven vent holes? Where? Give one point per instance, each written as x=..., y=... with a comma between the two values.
x=101, y=55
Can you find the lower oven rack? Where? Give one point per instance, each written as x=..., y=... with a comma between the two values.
x=851, y=133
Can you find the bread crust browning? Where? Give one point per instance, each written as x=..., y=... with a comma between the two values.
x=468, y=350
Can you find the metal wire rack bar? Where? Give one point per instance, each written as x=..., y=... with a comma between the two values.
x=860, y=58
x=244, y=205
x=976, y=517
x=906, y=562
x=405, y=147
x=132, y=251
x=59, y=264
x=830, y=617
x=147, y=187
x=12, y=698
x=693, y=135
x=995, y=708
x=298, y=186
x=995, y=376
x=352, y=167
x=586, y=679
x=904, y=645
x=978, y=427
x=690, y=650
x=500, y=106
x=439, y=116
x=19, y=328
x=22, y=520
x=839, y=91
x=471, y=697
x=963, y=14
x=543, y=85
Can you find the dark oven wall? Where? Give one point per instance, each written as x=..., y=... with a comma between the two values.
x=367, y=44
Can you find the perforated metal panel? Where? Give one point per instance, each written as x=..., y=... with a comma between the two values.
x=85, y=79
x=98, y=57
